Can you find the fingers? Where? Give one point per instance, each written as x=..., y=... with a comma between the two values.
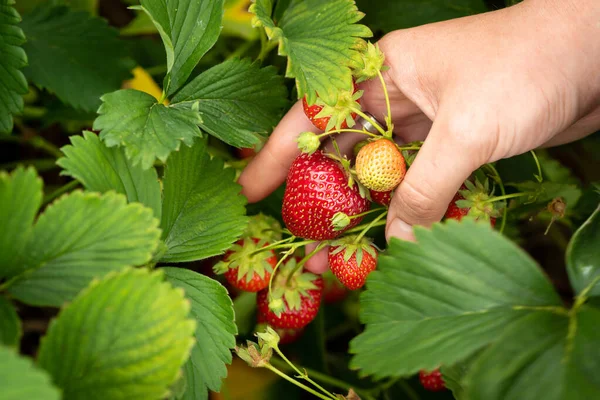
x=441, y=166
x=270, y=166
x=318, y=263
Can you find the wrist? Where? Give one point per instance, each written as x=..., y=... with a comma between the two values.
x=568, y=31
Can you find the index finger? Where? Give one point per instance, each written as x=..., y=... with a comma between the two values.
x=269, y=168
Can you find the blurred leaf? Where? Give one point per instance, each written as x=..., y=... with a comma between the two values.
x=79, y=237
x=554, y=171
x=237, y=99
x=74, y=55
x=583, y=256
x=124, y=337
x=319, y=38
x=20, y=379
x=10, y=324
x=544, y=355
x=400, y=14
x=142, y=24
x=448, y=295
x=20, y=199
x=544, y=192
x=215, y=331
x=101, y=169
x=146, y=129
x=12, y=81
x=188, y=29
x=203, y=210
x=244, y=306
x=237, y=20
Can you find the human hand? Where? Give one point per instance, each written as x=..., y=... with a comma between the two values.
x=475, y=90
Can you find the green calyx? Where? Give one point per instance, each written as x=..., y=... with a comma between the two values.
x=291, y=289
x=308, y=142
x=342, y=111
x=247, y=261
x=339, y=221
x=256, y=355
x=477, y=199
x=369, y=63
x=263, y=227
x=349, y=247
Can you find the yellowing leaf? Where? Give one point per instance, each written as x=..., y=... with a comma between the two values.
x=143, y=82
x=237, y=20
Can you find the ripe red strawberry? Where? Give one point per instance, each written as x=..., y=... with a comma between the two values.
x=432, y=381
x=245, y=270
x=293, y=305
x=317, y=188
x=380, y=165
x=471, y=200
x=383, y=198
x=326, y=117
x=333, y=290
x=351, y=262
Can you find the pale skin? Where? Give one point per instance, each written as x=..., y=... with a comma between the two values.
x=475, y=90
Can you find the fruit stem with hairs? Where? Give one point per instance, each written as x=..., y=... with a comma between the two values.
x=369, y=226
x=539, y=176
x=322, y=135
x=302, y=375
x=369, y=119
x=498, y=179
x=300, y=385
x=390, y=126
x=305, y=259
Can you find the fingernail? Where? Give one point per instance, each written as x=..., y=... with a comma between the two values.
x=400, y=229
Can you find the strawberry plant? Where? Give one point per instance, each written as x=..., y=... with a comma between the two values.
x=132, y=266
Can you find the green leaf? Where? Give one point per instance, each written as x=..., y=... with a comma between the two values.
x=12, y=81
x=319, y=38
x=583, y=256
x=10, y=325
x=391, y=15
x=146, y=129
x=545, y=355
x=101, y=169
x=20, y=199
x=20, y=379
x=203, y=211
x=238, y=100
x=79, y=237
x=215, y=331
x=437, y=301
x=188, y=29
x=75, y=55
x=124, y=337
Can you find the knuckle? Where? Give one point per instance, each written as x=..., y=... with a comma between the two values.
x=415, y=205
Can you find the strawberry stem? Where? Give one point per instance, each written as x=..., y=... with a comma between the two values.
x=300, y=385
x=387, y=104
x=359, y=228
x=302, y=375
x=333, y=131
x=498, y=179
x=304, y=260
x=329, y=380
x=365, y=213
x=508, y=196
x=369, y=226
x=371, y=120
x=539, y=176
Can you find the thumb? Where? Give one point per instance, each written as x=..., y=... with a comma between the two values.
x=443, y=163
